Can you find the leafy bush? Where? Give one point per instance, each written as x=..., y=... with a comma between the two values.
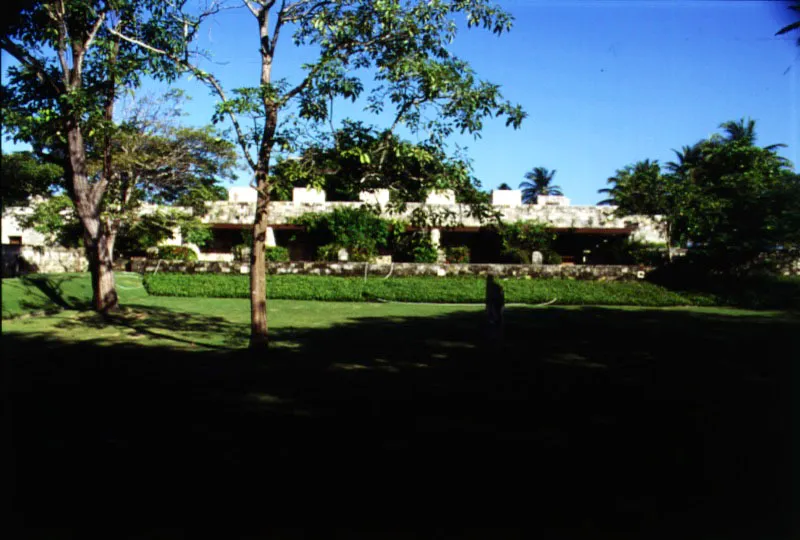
x=277, y=254
x=692, y=275
x=196, y=232
x=414, y=247
x=181, y=253
x=360, y=230
x=552, y=258
x=425, y=253
x=457, y=254
x=469, y=289
x=521, y=238
x=328, y=252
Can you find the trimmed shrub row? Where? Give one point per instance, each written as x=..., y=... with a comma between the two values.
x=467, y=289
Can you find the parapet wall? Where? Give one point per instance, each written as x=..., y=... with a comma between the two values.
x=645, y=228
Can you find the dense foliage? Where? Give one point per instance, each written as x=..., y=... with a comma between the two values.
x=457, y=254
x=176, y=253
x=277, y=254
x=725, y=198
x=56, y=220
x=357, y=158
x=521, y=238
x=24, y=175
x=360, y=231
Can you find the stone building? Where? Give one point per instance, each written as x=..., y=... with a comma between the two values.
x=579, y=229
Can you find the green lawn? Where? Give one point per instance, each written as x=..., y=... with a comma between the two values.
x=49, y=293
x=582, y=422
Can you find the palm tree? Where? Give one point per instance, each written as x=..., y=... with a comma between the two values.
x=538, y=183
x=637, y=189
x=740, y=131
x=688, y=158
x=795, y=26
x=744, y=131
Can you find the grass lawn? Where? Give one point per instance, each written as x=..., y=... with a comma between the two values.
x=584, y=422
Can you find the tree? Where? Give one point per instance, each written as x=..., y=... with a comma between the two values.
x=638, y=189
x=60, y=98
x=405, y=45
x=738, y=200
x=160, y=161
x=156, y=161
x=641, y=189
x=792, y=27
x=725, y=197
x=538, y=182
x=504, y=187
x=23, y=175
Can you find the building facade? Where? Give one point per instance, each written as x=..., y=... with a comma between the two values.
x=579, y=229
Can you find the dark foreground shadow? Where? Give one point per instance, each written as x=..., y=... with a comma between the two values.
x=584, y=423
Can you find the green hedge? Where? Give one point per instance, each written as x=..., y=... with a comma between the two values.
x=277, y=254
x=422, y=289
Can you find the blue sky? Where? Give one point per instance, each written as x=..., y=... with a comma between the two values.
x=604, y=83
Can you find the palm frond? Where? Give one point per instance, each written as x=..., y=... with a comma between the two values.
x=788, y=28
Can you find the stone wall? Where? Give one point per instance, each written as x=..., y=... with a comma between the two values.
x=789, y=268
x=587, y=272
x=646, y=229
x=19, y=260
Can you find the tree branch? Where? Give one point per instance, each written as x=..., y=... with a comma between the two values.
x=88, y=43
x=33, y=63
x=251, y=8
x=277, y=31
x=61, y=24
x=208, y=78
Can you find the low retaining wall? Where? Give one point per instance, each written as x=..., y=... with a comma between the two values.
x=20, y=260
x=587, y=272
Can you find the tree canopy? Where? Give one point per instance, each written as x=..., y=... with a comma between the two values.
x=359, y=158
x=24, y=175
x=156, y=160
x=725, y=197
x=638, y=189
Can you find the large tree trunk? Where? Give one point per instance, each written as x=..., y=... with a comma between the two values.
x=98, y=240
x=100, y=252
x=259, y=334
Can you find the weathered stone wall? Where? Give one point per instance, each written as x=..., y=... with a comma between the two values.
x=588, y=272
x=19, y=260
x=789, y=268
x=647, y=229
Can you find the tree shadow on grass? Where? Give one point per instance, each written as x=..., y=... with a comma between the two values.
x=51, y=285
x=166, y=326
x=582, y=423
